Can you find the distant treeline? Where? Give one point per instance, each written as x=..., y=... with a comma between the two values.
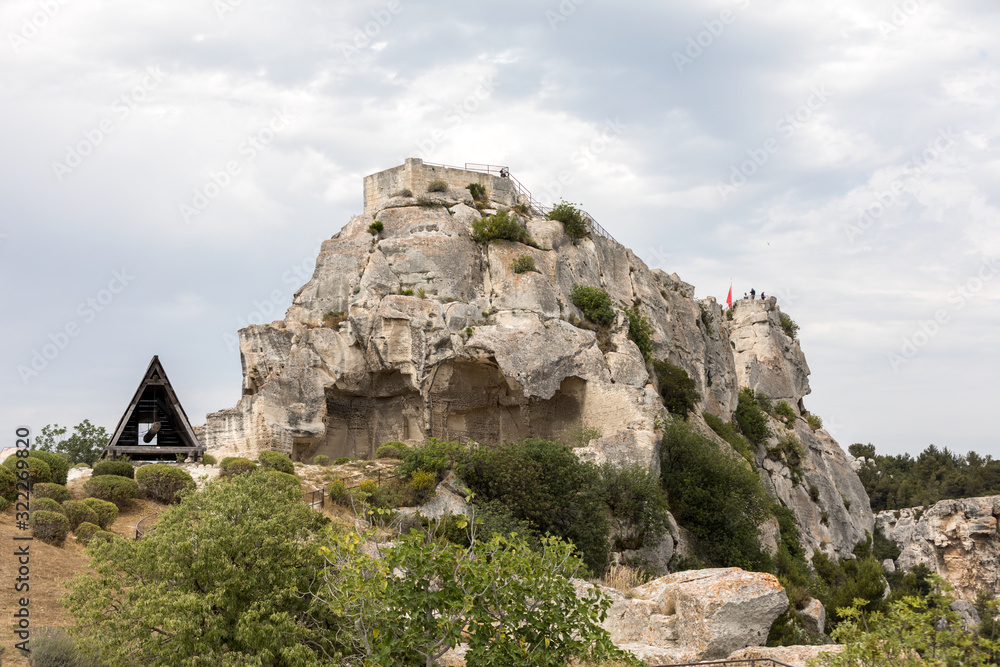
x=895, y=482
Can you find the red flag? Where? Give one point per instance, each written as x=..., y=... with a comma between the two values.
x=729, y=299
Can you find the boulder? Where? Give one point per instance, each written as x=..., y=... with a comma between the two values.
x=793, y=656
x=813, y=617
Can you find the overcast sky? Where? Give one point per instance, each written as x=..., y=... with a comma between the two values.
x=169, y=168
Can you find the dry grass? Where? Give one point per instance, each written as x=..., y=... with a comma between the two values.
x=622, y=578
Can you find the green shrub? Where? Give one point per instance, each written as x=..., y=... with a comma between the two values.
x=235, y=465
x=436, y=456
x=545, y=484
x=8, y=483
x=640, y=331
x=477, y=191
x=334, y=319
x=49, y=527
x=406, y=291
x=38, y=470
x=85, y=531
x=788, y=325
x=523, y=264
x=727, y=432
x=164, y=483
x=208, y=460
x=276, y=461
x=790, y=450
x=423, y=483
x=337, y=491
x=499, y=227
x=594, y=302
x=783, y=409
x=342, y=460
x=706, y=319
x=718, y=499
x=391, y=450
x=376, y=228
x=321, y=460
x=764, y=401
x=572, y=218
x=46, y=505
x=284, y=479
x=58, y=466
x=493, y=518
x=113, y=467
x=437, y=185
x=814, y=421
x=4, y=504
x=676, y=388
x=53, y=647
x=112, y=488
x=750, y=418
x=79, y=512
x=107, y=512
x=56, y=492
x=637, y=503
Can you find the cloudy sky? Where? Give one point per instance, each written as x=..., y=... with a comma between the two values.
x=169, y=169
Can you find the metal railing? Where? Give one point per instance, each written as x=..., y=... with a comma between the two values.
x=523, y=192
x=139, y=530
x=748, y=662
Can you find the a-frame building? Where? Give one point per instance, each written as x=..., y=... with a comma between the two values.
x=154, y=426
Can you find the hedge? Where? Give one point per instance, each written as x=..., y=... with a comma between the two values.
x=58, y=465
x=112, y=467
x=56, y=492
x=45, y=505
x=283, y=479
x=106, y=512
x=78, y=512
x=114, y=489
x=49, y=527
x=39, y=471
x=8, y=484
x=235, y=465
x=164, y=483
x=85, y=531
x=276, y=461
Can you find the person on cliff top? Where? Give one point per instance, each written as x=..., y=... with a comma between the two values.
x=753, y=294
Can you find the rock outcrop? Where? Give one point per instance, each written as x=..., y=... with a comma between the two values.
x=417, y=330
x=693, y=615
x=793, y=656
x=956, y=539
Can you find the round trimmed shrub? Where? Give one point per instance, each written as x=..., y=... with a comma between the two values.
x=283, y=479
x=276, y=461
x=56, y=492
x=49, y=527
x=390, y=450
x=235, y=465
x=100, y=535
x=208, y=460
x=112, y=467
x=106, y=512
x=46, y=505
x=77, y=512
x=39, y=471
x=112, y=488
x=85, y=531
x=8, y=484
x=321, y=460
x=164, y=483
x=338, y=492
x=58, y=466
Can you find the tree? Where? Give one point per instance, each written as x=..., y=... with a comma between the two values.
x=750, y=418
x=676, y=387
x=411, y=603
x=84, y=446
x=222, y=580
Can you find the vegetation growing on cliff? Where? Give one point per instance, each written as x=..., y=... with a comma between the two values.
x=572, y=219
x=676, y=387
x=501, y=226
x=594, y=302
x=898, y=481
x=640, y=331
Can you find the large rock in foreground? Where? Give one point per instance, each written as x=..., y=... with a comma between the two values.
x=956, y=539
x=793, y=656
x=694, y=615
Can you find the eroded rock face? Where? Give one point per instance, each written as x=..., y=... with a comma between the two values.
x=793, y=656
x=956, y=539
x=693, y=615
x=420, y=331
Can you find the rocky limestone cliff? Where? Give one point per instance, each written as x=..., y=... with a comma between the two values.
x=420, y=331
x=956, y=539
